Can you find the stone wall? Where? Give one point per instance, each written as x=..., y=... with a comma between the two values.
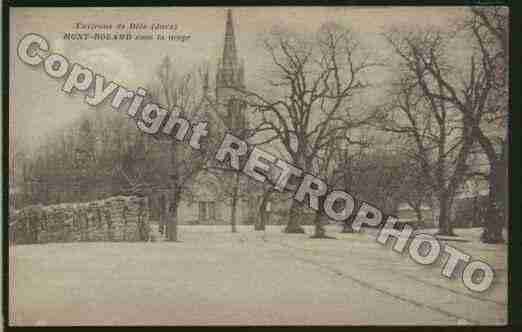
x=120, y=218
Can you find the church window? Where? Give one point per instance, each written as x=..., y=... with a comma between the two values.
x=211, y=210
x=202, y=211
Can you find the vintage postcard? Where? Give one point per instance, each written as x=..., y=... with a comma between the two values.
x=258, y=166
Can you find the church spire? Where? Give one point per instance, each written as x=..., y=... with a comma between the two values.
x=229, y=49
x=230, y=71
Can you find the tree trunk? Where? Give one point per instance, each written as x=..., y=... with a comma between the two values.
x=293, y=225
x=260, y=224
x=234, y=204
x=319, y=231
x=347, y=225
x=493, y=221
x=233, y=214
x=163, y=215
x=445, y=225
x=418, y=213
x=260, y=221
x=172, y=225
x=263, y=214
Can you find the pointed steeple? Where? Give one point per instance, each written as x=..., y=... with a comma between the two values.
x=229, y=49
x=230, y=80
x=230, y=71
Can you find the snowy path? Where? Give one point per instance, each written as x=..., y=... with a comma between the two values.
x=215, y=277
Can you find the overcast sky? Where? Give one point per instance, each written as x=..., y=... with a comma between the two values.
x=38, y=106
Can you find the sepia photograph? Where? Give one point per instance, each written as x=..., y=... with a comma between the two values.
x=261, y=166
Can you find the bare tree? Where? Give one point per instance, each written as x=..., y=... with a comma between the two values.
x=479, y=93
x=235, y=186
x=489, y=28
x=309, y=105
x=414, y=188
x=325, y=160
x=347, y=171
x=441, y=135
x=180, y=93
x=264, y=200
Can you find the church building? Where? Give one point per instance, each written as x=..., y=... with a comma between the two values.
x=213, y=193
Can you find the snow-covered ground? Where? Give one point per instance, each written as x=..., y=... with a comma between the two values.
x=216, y=277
